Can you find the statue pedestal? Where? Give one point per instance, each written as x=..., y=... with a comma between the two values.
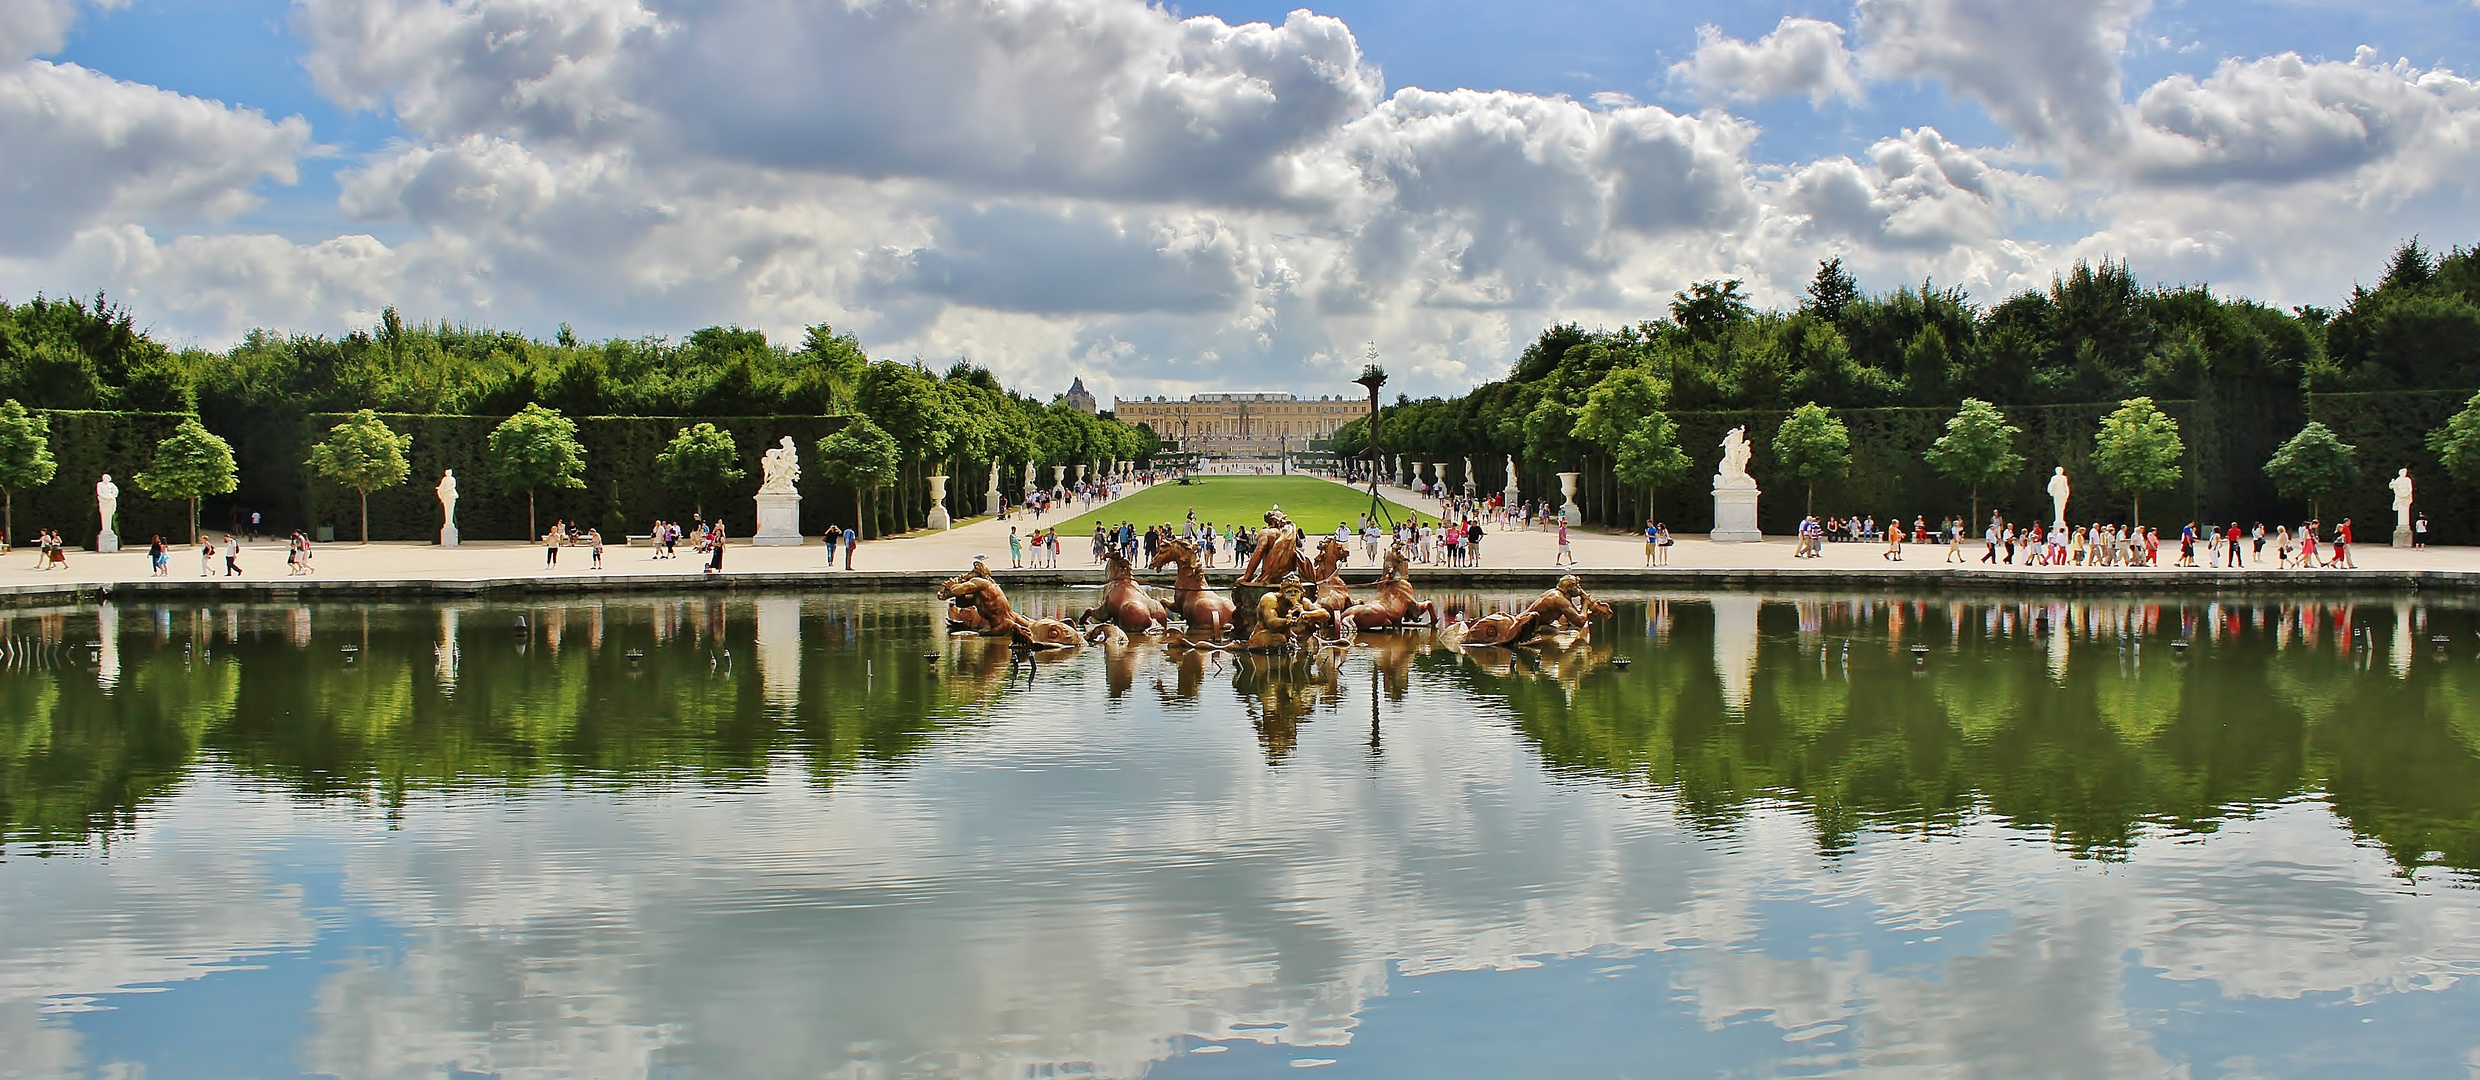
x=990, y=502
x=779, y=521
x=447, y=536
x=1735, y=516
x=2402, y=536
x=107, y=542
x=938, y=503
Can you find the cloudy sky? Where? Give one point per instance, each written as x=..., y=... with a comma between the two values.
x=1214, y=196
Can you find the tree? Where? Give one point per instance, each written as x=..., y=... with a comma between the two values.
x=25, y=460
x=192, y=462
x=702, y=458
x=1830, y=291
x=2138, y=451
x=1978, y=447
x=537, y=448
x=1650, y=455
x=1812, y=445
x=364, y=454
x=2457, y=444
x=2312, y=464
x=863, y=457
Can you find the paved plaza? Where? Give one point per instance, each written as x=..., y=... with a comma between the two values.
x=955, y=549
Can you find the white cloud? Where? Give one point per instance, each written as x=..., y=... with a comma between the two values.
x=79, y=149
x=1166, y=204
x=1802, y=57
x=2048, y=71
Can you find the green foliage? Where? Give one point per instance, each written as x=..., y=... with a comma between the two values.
x=2138, y=451
x=1649, y=455
x=190, y=463
x=1978, y=448
x=1617, y=406
x=1812, y=445
x=2313, y=464
x=701, y=459
x=362, y=453
x=863, y=457
x=534, y=449
x=2457, y=443
x=25, y=460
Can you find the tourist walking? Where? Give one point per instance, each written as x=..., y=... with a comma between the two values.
x=1653, y=540
x=1567, y=551
x=595, y=537
x=158, y=558
x=834, y=533
x=2342, y=546
x=206, y=557
x=551, y=547
x=851, y=540
x=2419, y=531
x=232, y=557
x=714, y=548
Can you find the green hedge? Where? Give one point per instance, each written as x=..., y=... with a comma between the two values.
x=1890, y=473
x=623, y=492
x=2391, y=431
x=86, y=445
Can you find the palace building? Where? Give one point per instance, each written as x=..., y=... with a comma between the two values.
x=1241, y=425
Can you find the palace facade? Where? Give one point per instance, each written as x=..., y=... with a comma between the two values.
x=1260, y=425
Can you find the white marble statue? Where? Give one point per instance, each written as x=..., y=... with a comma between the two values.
x=107, y=500
x=782, y=466
x=1734, y=469
x=447, y=497
x=2059, y=489
x=2401, y=486
x=1029, y=480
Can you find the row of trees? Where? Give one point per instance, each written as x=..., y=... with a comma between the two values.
x=1601, y=401
x=90, y=354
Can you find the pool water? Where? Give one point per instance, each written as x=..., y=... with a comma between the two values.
x=814, y=836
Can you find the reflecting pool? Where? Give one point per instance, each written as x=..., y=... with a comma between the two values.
x=797, y=836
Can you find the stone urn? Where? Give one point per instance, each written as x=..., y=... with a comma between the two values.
x=938, y=504
x=1570, y=513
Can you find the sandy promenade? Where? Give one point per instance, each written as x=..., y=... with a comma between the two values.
x=955, y=549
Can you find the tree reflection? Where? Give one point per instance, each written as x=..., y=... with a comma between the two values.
x=2081, y=719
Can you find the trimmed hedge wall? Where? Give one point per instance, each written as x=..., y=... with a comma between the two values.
x=86, y=445
x=2391, y=431
x=623, y=493
x=1890, y=473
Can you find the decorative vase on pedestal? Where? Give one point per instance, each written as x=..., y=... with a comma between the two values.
x=1570, y=513
x=1059, y=476
x=938, y=504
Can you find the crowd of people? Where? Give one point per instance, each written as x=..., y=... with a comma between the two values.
x=2007, y=543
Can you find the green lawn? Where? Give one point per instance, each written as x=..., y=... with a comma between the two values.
x=1316, y=505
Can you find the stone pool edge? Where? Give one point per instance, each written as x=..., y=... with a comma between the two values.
x=1612, y=579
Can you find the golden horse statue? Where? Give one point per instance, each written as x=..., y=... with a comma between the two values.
x=1566, y=608
x=1394, y=603
x=1124, y=602
x=1209, y=613
x=1325, y=574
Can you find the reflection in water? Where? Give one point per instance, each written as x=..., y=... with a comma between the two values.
x=1735, y=648
x=804, y=835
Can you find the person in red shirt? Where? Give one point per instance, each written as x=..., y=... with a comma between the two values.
x=2233, y=537
x=2342, y=546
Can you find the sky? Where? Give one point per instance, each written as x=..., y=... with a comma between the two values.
x=1200, y=196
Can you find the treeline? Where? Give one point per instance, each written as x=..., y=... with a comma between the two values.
x=273, y=396
x=2237, y=374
